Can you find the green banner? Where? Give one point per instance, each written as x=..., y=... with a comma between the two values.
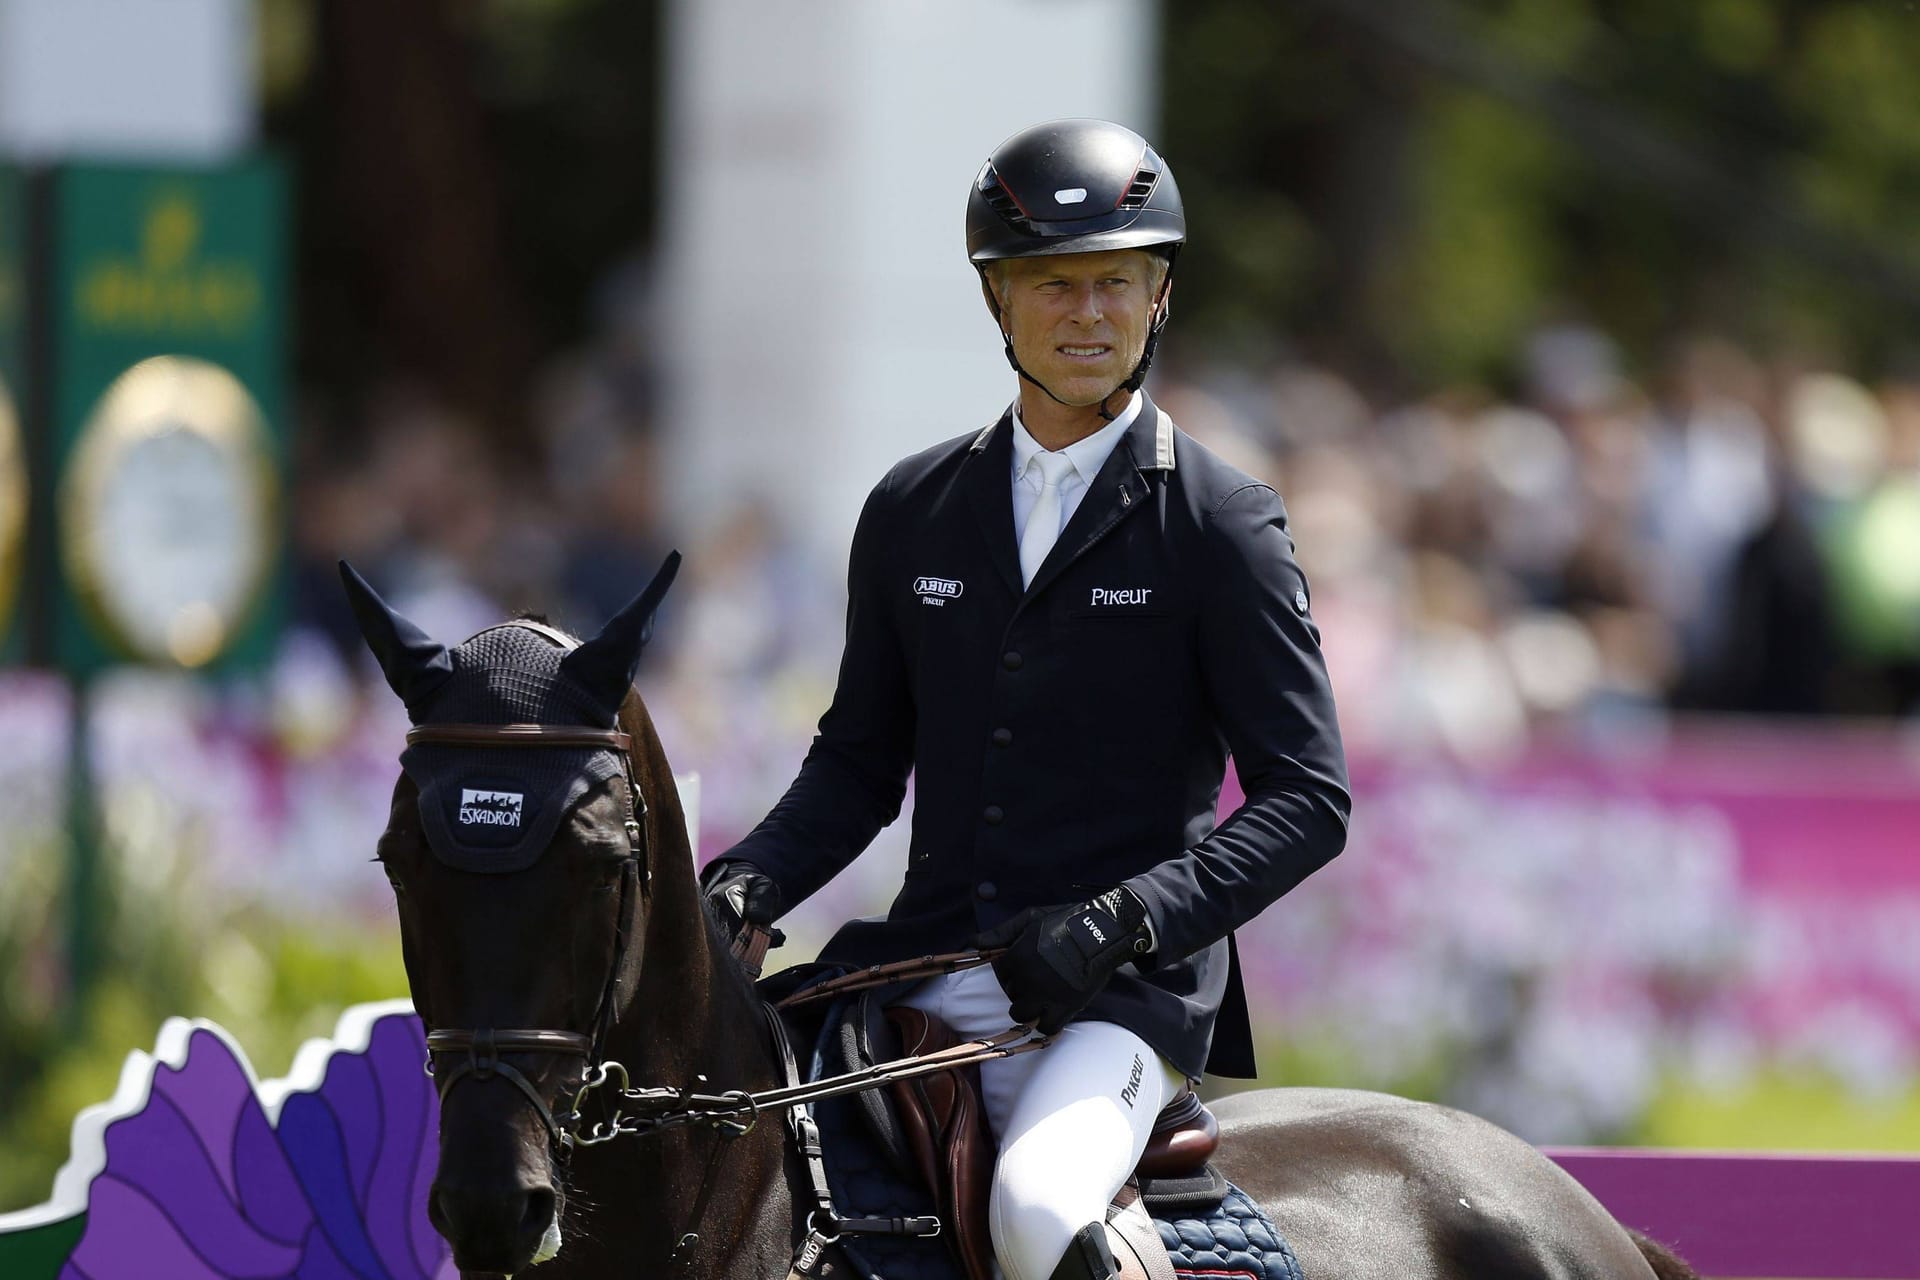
x=168, y=338
x=13, y=442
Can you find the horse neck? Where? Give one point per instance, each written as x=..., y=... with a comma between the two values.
x=693, y=1009
x=695, y=1013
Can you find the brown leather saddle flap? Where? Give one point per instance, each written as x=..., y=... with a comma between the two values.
x=946, y=1130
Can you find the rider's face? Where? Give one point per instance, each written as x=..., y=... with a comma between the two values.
x=1079, y=321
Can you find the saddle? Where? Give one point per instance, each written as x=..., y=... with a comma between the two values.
x=945, y=1133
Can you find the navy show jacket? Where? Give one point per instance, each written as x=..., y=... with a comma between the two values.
x=1074, y=735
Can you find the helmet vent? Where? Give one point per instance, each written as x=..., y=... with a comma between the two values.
x=1135, y=196
x=1001, y=201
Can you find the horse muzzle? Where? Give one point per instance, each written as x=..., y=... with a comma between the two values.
x=495, y=1226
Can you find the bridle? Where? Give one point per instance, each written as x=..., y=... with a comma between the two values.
x=483, y=1046
x=655, y=1110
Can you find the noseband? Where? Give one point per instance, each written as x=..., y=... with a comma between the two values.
x=483, y=1046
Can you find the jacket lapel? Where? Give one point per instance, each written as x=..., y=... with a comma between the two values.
x=1120, y=489
x=988, y=480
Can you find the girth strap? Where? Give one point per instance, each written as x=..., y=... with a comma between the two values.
x=825, y=1226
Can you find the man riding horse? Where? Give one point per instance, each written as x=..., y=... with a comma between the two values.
x=1062, y=625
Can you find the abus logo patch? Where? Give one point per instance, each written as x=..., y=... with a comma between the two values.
x=490, y=808
x=938, y=590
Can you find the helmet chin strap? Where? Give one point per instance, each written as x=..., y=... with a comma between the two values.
x=1161, y=310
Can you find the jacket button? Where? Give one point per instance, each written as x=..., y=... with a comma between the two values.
x=994, y=815
x=986, y=891
x=1010, y=660
x=1003, y=737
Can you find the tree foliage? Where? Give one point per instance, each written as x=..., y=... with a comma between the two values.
x=1404, y=187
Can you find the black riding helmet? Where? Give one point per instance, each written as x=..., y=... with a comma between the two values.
x=1075, y=186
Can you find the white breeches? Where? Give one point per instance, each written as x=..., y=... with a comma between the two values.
x=1071, y=1119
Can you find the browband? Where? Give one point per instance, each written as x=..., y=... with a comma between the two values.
x=517, y=735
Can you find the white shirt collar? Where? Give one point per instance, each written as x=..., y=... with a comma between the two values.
x=1087, y=454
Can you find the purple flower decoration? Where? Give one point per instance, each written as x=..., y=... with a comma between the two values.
x=194, y=1170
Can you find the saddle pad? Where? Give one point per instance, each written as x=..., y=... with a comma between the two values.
x=1229, y=1239
x=1236, y=1241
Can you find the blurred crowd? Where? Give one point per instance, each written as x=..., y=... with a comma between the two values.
x=1590, y=553
x=1584, y=554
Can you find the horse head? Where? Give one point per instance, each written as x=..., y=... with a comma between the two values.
x=522, y=845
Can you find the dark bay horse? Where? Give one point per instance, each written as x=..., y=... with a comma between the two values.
x=575, y=934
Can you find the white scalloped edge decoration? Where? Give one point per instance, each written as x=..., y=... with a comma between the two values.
x=87, y=1149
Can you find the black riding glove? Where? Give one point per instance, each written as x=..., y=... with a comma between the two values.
x=1058, y=958
x=740, y=894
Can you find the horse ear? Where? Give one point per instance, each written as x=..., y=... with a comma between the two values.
x=604, y=665
x=414, y=663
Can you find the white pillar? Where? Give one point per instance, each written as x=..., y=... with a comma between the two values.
x=819, y=316
x=126, y=79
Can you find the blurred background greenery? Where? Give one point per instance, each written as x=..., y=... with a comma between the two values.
x=173, y=947
x=1410, y=183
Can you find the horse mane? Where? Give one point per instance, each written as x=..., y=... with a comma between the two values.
x=1666, y=1264
x=650, y=758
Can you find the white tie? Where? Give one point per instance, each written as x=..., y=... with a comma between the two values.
x=1043, y=522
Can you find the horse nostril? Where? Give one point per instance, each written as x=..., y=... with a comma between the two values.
x=492, y=1228
x=539, y=1210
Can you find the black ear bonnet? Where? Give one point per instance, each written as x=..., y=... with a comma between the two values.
x=495, y=809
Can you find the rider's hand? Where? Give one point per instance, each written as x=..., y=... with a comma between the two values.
x=740, y=894
x=1058, y=958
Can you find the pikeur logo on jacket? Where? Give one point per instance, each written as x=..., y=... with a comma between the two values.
x=1071, y=735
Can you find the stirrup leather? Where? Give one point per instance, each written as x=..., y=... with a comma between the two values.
x=1139, y=1253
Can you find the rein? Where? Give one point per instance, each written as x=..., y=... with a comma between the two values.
x=737, y=1111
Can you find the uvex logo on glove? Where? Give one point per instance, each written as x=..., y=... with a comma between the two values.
x=1058, y=958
